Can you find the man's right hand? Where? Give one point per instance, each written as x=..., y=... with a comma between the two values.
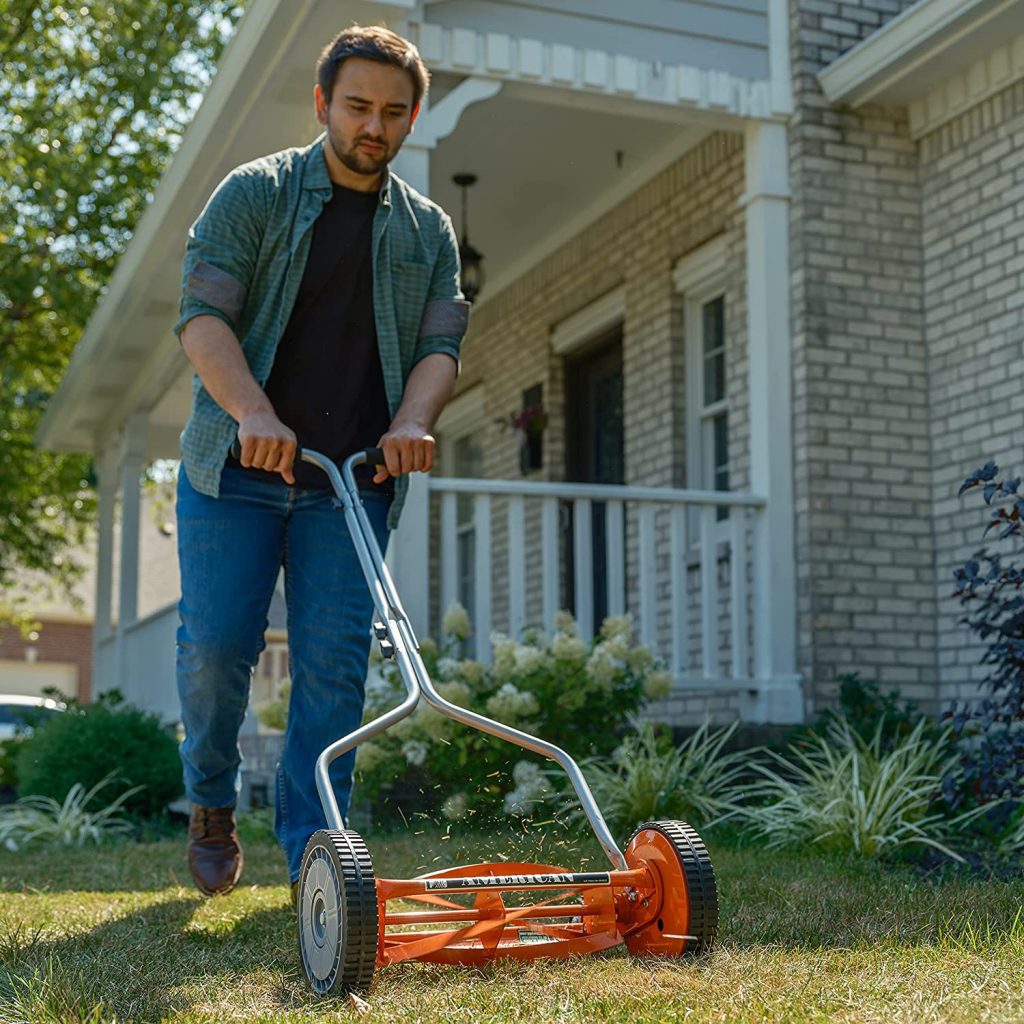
x=267, y=444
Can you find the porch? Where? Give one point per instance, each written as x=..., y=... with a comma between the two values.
x=561, y=133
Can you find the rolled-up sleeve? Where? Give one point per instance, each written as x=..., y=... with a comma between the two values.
x=446, y=313
x=221, y=251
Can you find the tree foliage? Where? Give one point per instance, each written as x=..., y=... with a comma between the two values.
x=94, y=99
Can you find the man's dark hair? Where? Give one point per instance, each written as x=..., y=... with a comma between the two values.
x=372, y=42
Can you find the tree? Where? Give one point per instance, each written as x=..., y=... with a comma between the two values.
x=94, y=98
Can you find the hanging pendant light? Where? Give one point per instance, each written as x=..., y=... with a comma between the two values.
x=472, y=260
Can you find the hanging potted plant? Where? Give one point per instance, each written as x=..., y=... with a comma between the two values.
x=529, y=424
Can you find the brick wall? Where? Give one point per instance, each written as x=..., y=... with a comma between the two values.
x=866, y=576
x=973, y=184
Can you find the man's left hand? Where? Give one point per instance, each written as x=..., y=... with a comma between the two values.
x=408, y=448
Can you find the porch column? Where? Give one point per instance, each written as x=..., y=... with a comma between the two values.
x=409, y=549
x=778, y=698
x=102, y=626
x=133, y=445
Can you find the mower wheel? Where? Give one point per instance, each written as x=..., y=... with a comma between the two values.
x=687, y=920
x=337, y=913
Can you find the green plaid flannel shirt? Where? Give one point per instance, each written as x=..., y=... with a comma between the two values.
x=244, y=261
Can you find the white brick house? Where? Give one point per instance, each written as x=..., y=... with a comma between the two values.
x=762, y=247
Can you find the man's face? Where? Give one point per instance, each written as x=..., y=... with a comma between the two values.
x=369, y=115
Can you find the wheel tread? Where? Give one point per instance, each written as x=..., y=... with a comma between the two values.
x=701, y=887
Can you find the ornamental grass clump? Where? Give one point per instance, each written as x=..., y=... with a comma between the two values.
x=41, y=819
x=576, y=693
x=844, y=792
x=648, y=778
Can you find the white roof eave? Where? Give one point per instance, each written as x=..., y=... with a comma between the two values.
x=897, y=63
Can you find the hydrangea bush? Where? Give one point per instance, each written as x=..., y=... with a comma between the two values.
x=572, y=692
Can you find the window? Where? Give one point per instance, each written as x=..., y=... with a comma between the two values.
x=700, y=277
x=713, y=405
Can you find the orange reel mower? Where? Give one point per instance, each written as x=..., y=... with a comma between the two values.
x=659, y=898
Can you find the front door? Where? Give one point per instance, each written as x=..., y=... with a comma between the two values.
x=594, y=450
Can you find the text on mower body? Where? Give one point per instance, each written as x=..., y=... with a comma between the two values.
x=591, y=878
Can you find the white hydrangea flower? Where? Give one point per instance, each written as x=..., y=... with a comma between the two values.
x=455, y=692
x=531, y=788
x=433, y=724
x=565, y=623
x=447, y=668
x=617, y=627
x=527, y=659
x=456, y=622
x=510, y=703
x=368, y=756
x=455, y=806
x=472, y=671
x=504, y=665
x=639, y=659
x=657, y=684
x=601, y=667
x=415, y=752
x=616, y=648
x=568, y=647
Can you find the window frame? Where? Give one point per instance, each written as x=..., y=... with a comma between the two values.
x=700, y=277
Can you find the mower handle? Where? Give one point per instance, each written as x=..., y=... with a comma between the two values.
x=371, y=456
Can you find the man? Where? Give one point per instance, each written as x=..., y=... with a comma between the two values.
x=320, y=307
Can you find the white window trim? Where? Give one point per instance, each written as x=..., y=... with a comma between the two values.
x=699, y=277
x=574, y=332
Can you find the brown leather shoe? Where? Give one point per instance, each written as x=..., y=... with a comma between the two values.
x=295, y=892
x=214, y=854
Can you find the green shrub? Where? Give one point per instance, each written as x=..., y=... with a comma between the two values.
x=88, y=741
x=574, y=693
x=9, y=762
x=648, y=778
x=274, y=713
x=841, y=791
x=866, y=710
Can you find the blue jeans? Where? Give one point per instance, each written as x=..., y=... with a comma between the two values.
x=231, y=549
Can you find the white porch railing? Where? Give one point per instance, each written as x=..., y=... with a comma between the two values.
x=682, y=562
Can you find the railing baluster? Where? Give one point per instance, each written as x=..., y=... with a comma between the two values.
x=648, y=574
x=550, y=568
x=680, y=601
x=709, y=590
x=482, y=576
x=583, y=549
x=738, y=592
x=516, y=568
x=449, y=556
x=615, y=558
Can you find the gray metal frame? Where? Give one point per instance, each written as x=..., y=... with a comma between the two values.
x=414, y=674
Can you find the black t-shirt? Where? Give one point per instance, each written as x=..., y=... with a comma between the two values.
x=326, y=383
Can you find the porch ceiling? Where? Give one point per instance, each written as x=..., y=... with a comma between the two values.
x=547, y=163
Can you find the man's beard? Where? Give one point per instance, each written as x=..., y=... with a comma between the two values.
x=354, y=160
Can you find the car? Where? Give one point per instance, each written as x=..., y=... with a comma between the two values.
x=19, y=713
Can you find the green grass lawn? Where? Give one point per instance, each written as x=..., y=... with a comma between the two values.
x=118, y=934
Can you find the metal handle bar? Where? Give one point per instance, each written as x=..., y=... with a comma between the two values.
x=414, y=673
